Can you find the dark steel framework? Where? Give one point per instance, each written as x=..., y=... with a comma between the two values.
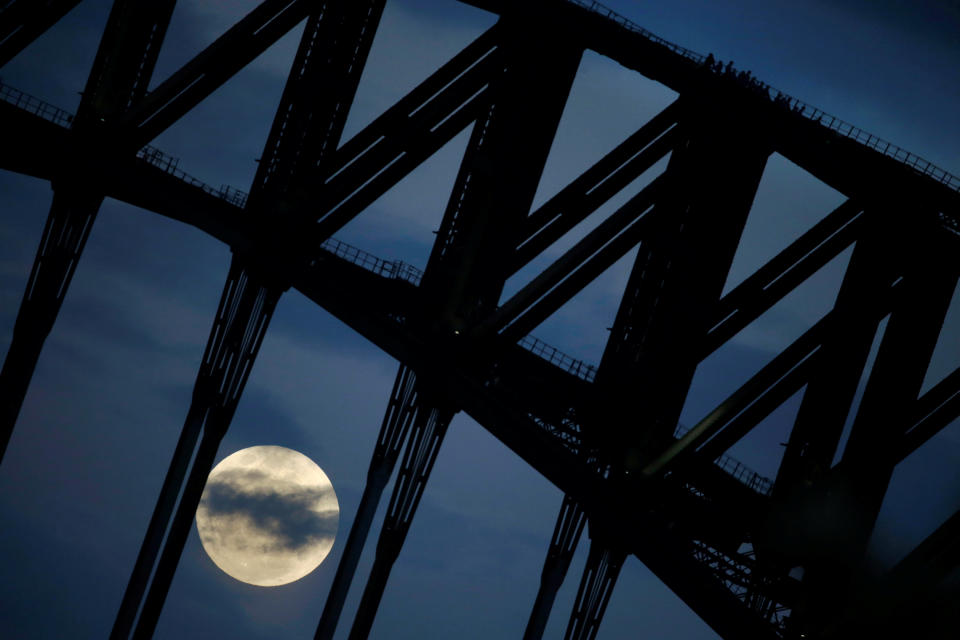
x=725, y=541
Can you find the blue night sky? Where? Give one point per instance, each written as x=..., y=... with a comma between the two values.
x=112, y=387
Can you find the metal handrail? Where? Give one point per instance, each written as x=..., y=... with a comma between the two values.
x=735, y=468
x=35, y=106
x=810, y=112
x=157, y=158
x=396, y=269
x=556, y=357
x=151, y=155
x=400, y=270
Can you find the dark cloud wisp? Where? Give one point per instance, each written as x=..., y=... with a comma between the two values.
x=287, y=512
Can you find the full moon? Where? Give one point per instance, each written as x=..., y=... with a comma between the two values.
x=268, y=515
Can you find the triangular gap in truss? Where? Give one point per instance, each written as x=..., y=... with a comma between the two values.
x=402, y=223
x=220, y=140
x=570, y=238
x=762, y=449
x=55, y=66
x=789, y=201
x=736, y=361
x=946, y=355
x=607, y=104
x=195, y=25
x=858, y=395
x=145, y=283
x=408, y=47
x=580, y=327
x=922, y=494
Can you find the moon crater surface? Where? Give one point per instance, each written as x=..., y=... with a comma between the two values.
x=268, y=515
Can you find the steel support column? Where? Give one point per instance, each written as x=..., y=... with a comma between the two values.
x=566, y=535
x=242, y=318
x=596, y=587
x=66, y=231
x=401, y=411
x=429, y=427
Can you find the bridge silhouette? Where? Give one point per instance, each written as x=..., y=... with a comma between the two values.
x=725, y=539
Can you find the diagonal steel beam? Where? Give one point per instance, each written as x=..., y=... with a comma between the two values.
x=245, y=310
x=23, y=21
x=676, y=280
x=596, y=587
x=124, y=62
x=423, y=94
x=819, y=424
x=733, y=418
x=788, y=364
x=858, y=485
x=934, y=410
x=429, y=427
x=596, y=185
x=64, y=236
x=309, y=122
x=380, y=166
x=783, y=273
x=593, y=254
x=829, y=545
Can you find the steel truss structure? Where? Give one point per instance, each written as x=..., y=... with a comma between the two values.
x=723, y=539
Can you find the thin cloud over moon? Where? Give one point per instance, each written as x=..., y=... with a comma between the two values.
x=268, y=515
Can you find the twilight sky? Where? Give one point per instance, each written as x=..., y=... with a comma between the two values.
x=112, y=387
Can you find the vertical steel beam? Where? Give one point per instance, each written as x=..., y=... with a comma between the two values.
x=596, y=587
x=566, y=535
x=402, y=408
x=676, y=281
x=307, y=126
x=125, y=59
